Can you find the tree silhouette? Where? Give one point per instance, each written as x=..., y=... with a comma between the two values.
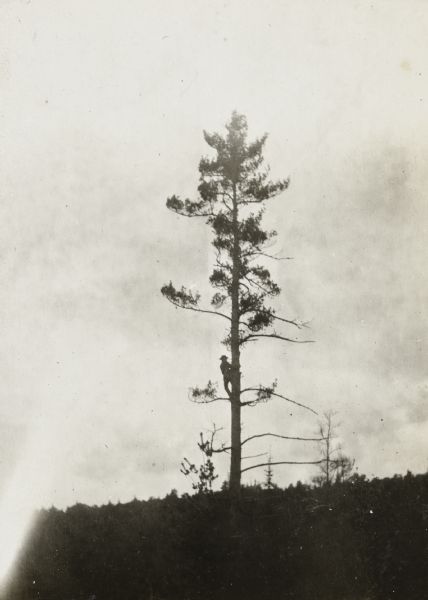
x=269, y=482
x=206, y=471
x=334, y=464
x=233, y=189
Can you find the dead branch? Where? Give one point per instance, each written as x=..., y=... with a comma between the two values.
x=272, y=393
x=295, y=322
x=284, y=437
x=253, y=336
x=207, y=445
x=254, y=455
x=267, y=255
x=283, y=462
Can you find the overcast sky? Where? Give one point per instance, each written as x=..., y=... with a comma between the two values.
x=103, y=105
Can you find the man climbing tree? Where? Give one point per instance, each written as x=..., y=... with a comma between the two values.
x=226, y=371
x=232, y=190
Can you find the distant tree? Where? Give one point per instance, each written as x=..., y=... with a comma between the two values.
x=343, y=467
x=233, y=188
x=334, y=465
x=269, y=483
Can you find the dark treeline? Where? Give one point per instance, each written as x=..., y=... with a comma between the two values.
x=357, y=540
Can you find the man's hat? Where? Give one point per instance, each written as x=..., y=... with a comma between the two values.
x=223, y=356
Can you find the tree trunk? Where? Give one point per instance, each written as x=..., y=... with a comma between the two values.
x=235, y=462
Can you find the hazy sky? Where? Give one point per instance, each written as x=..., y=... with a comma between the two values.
x=102, y=109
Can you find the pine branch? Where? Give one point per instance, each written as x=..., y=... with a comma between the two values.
x=223, y=265
x=208, y=312
x=196, y=214
x=201, y=310
x=209, y=401
x=295, y=322
x=206, y=395
x=180, y=300
x=189, y=208
x=264, y=394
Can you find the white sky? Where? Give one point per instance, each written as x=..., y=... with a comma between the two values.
x=102, y=107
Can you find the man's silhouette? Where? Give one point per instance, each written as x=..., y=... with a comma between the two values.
x=226, y=371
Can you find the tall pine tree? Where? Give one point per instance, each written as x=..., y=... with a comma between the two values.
x=234, y=186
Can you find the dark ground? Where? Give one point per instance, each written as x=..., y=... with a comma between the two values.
x=358, y=540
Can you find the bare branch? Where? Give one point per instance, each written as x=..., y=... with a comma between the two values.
x=265, y=254
x=207, y=445
x=272, y=393
x=276, y=336
x=295, y=322
x=283, y=462
x=221, y=449
x=284, y=437
x=294, y=402
x=254, y=456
